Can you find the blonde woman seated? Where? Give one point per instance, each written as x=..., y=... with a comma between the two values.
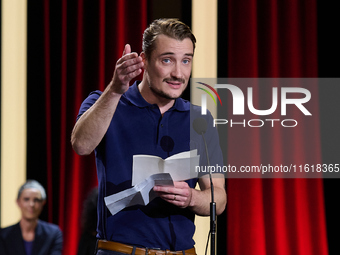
x=31, y=236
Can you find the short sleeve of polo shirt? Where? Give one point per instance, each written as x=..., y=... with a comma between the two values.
x=88, y=102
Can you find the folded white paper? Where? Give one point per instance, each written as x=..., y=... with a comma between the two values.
x=148, y=171
x=180, y=166
x=141, y=194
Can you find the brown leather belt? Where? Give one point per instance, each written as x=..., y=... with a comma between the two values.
x=127, y=249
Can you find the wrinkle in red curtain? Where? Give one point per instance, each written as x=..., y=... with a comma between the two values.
x=274, y=216
x=91, y=37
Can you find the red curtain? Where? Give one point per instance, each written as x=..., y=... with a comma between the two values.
x=274, y=216
x=82, y=42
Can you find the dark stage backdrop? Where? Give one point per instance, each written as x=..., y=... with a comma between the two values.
x=328, y=67
x=72, y=50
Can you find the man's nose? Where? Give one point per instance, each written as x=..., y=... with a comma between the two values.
x=176, y=71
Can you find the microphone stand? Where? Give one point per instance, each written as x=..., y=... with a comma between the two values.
x=212, y=206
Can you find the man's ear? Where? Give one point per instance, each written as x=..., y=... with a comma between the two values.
x=143, y=56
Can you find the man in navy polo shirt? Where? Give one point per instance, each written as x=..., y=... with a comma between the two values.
x=124, y=121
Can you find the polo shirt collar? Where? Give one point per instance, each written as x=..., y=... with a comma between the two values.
x=134, y=96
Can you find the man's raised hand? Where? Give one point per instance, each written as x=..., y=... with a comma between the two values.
x=128, y=67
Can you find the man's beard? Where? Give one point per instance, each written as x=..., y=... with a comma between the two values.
x=162, y=94
x=166, y=95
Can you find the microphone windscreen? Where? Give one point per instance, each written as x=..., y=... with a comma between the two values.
x=200, y=125
x=167, y=143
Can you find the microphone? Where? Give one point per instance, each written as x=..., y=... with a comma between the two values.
x=200, y=125
x=167, y=144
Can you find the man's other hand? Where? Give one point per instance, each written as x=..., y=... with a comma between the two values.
x=180, y=194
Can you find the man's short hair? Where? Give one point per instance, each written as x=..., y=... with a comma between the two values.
x=169, y=27
x=29, y=184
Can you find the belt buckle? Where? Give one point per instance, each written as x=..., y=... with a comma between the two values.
x=154, y=251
